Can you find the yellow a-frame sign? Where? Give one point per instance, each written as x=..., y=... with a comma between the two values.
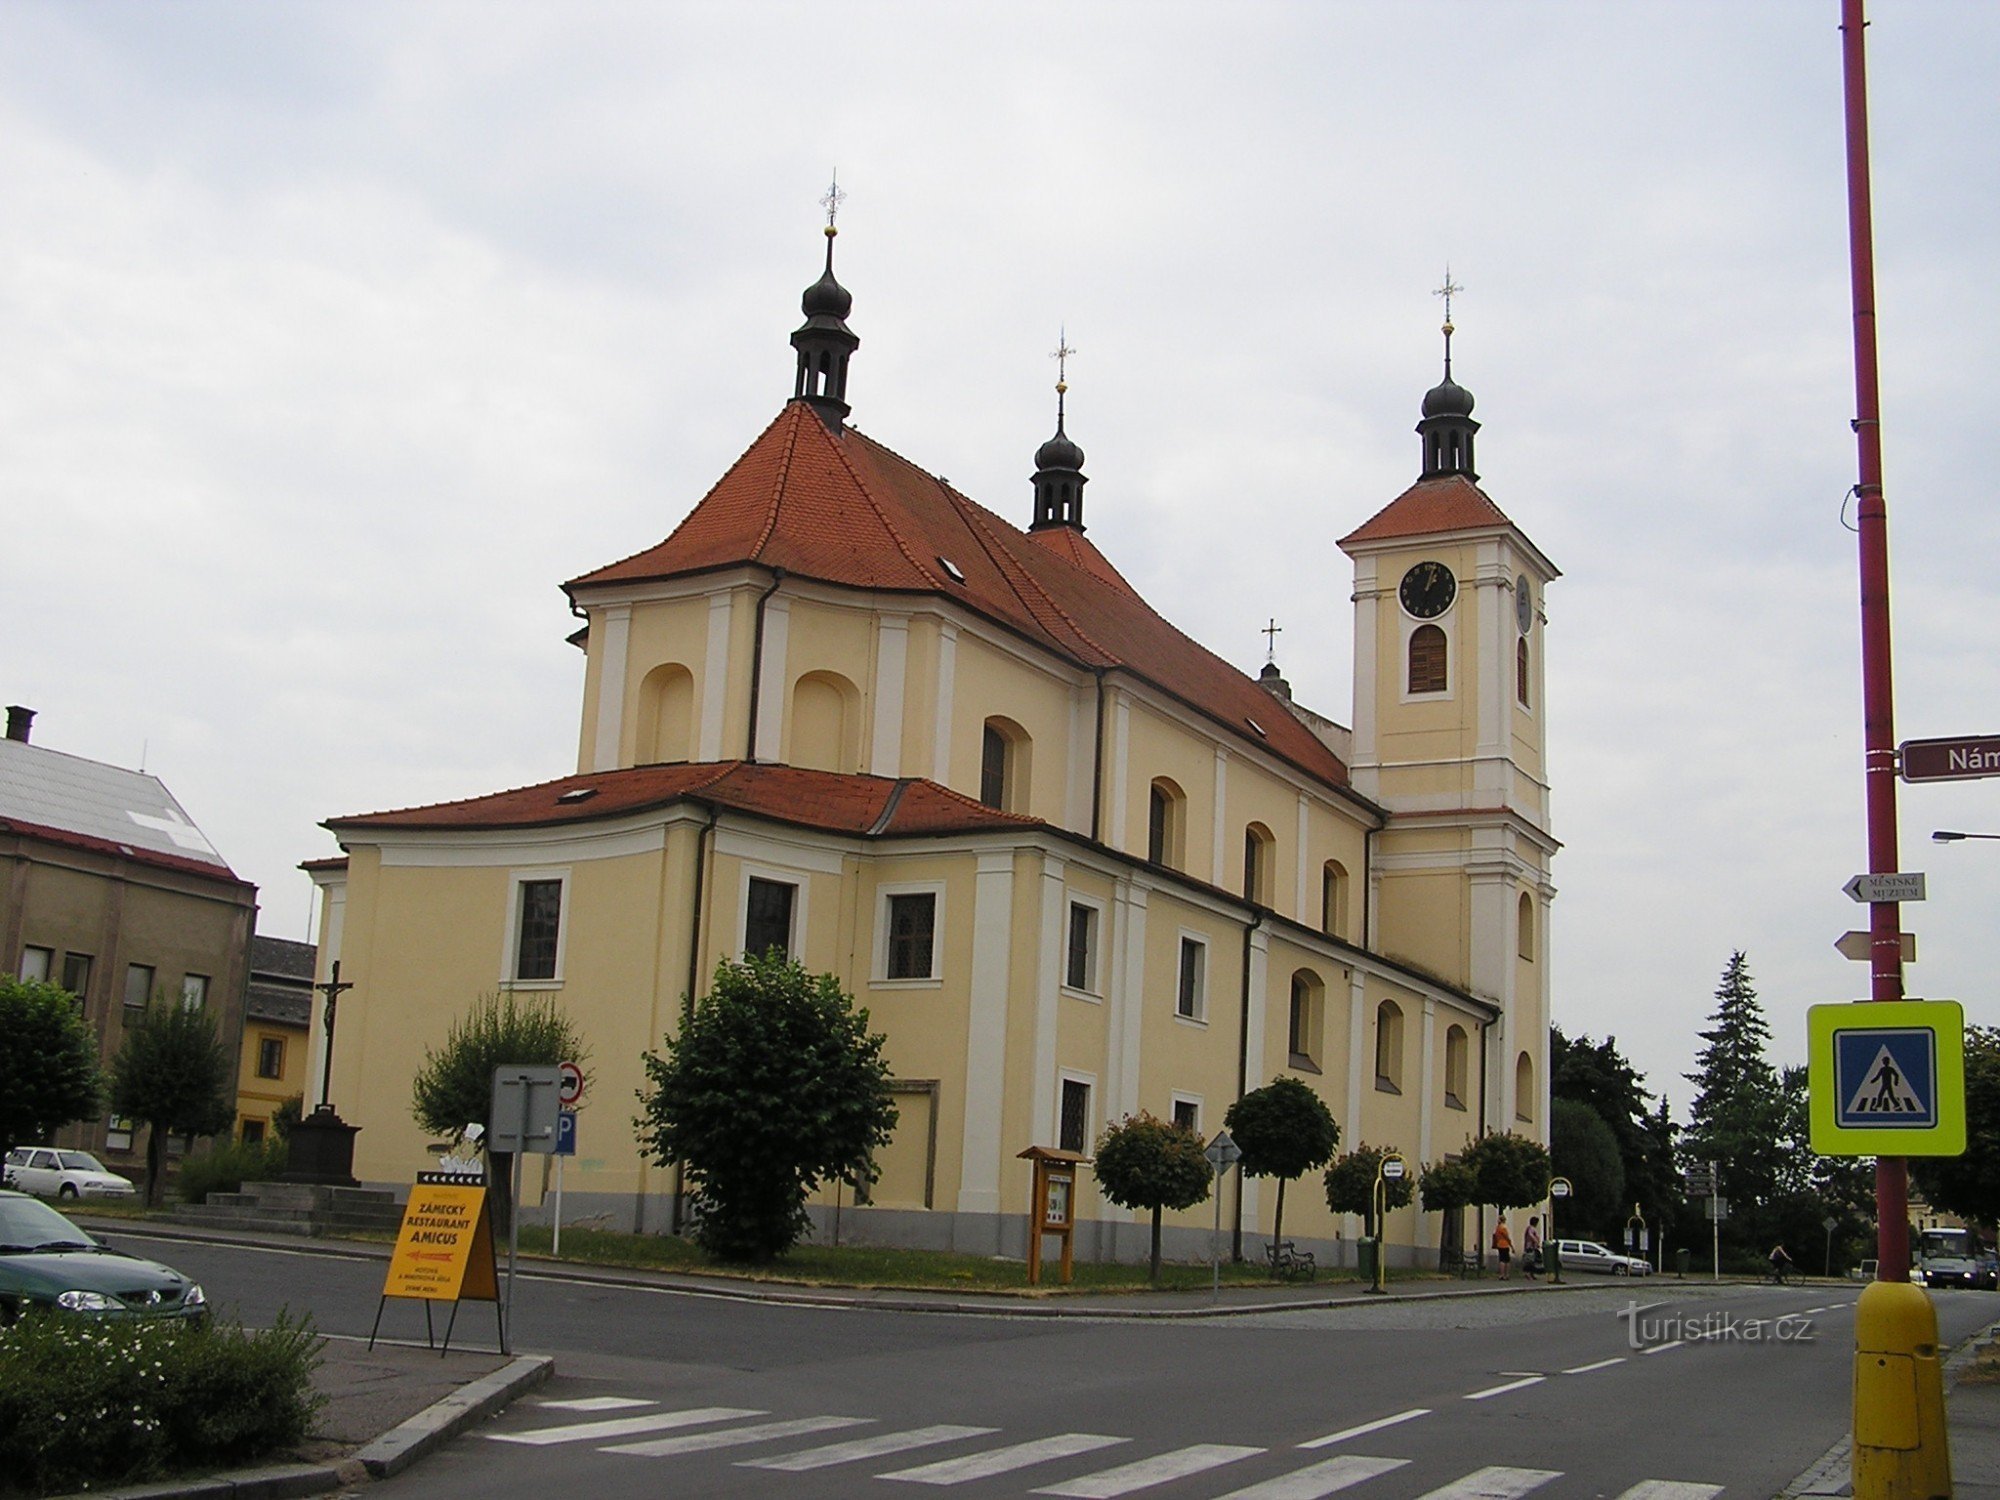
x=444, y=1251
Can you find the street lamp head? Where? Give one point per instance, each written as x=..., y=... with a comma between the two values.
x=1946, y=836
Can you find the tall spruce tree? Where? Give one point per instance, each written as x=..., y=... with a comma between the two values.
x=1738, y=1118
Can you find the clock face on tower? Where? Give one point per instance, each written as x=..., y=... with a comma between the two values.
x=1427, y=590
x=1524, y=603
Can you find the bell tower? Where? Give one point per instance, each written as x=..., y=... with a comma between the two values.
x=1450, y=735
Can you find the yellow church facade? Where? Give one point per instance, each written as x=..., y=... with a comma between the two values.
x=1074, y=865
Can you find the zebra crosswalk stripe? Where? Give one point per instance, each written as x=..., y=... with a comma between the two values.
x=595, y=1403
x=880, y=1446
x=1326, y=1477
x=1005, y=1460
x=1494, y=1483
x=735, y=1437
x=611, y=1427
x=1664, y=1489
x=1144, y=1473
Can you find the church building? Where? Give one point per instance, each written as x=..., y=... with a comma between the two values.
x=1074, y=864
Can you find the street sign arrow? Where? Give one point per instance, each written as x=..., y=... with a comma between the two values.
x=1858, y=946
x=1908, y=885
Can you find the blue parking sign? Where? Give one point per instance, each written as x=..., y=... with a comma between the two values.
x=1885, y=1078
x=565, y=1133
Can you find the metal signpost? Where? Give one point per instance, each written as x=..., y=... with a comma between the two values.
x=1559, y=1187
x=569, y=1089
x=1389, y=1169
x=523, y=1111
x=1222, y=1153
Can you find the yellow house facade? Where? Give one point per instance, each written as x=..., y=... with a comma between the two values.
x=1074, y=865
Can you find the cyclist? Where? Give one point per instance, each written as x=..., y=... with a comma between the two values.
x=1781, y=1264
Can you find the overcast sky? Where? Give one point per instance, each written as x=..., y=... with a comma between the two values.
x=334, y=336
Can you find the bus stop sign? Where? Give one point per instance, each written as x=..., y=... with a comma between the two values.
x=1887, y=1078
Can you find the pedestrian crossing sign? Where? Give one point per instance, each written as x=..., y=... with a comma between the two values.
x=1887, y=1078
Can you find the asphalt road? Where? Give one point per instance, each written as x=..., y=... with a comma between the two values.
x=1681, y=1388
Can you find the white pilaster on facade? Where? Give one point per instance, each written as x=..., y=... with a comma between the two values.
x=1492, y=948
x=947, y=675
x=1125, y=999
x=715, y=673
x=1256, y=1004
x=1218, y=859
x=986, y=1040
x=1427, y=1094
x=1367, y=677
x=1121, y=745
x=1494, y=601
x=892, y=657
x=1048, y=997
x=1357, y=1041
x=773, y=680
x=1302, y=909
x=616, y=623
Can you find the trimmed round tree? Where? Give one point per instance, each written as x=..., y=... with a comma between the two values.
x=1284, y=1130
x=1149, y=1163
x=1350, y=1185
x=48, y=1065
x=774, y=1086
x=174, y=1074
x=1510, y=1171
x=1447, y=1187
x=454, y=1083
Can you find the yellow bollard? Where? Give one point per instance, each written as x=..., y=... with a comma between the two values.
x=1901, y=1451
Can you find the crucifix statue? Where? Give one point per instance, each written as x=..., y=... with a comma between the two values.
x=333, y=989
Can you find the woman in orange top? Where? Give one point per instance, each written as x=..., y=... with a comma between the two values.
x=1503, y=1247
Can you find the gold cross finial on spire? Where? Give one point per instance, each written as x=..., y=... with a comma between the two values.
x=1446, y=292
x=1060, y=354
x=831, y=201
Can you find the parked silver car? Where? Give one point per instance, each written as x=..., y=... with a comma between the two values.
x=1588, y=1255
x=50, y=1173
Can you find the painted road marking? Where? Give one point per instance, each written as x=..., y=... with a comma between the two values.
x=1144, y=1473
x=1005, y=1460
x=1320, y=1479
x=1602, y=1364
x=1367, y=1427
x=1663, y=1348
x=880, y=1446
x=1494, y=1484
x=760, y=1432
x=596, y=1403
x=1666, y=1489
x=585, y=1432
x=1501, y=1390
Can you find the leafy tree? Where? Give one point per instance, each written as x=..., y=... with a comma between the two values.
x=176, y=1076
x=286, y=1115
x=48, y=1063
x=1143, y=1162
x=1447, y=1187
x=1738, y=1116
x=453, y=1087
x=1508, y=1171
x=1284, y=1130
x=1583, y=1149
x=1597, y=1074
x=774, y=1086
x=1350, y=1185
x=1969, y=1185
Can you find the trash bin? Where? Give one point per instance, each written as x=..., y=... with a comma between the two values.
x=1552, y=1261
x=1368, y=1250
x=1680, y=1263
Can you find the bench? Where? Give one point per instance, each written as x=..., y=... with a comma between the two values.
x=1462, y=1263
x=1289, y=1262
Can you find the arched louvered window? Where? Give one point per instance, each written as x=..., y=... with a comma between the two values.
x=1427, y=659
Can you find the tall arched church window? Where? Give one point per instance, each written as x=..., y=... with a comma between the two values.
x=1524, y=1088
x=1166, y=819
x=1457, y=1049
x=1427, y=659
x=1333, y=899
x=1521, y=671
x=1389, y=1047
x=1259, y=856
x=1524, y=923
x=1308, y=996
x=1003, y=765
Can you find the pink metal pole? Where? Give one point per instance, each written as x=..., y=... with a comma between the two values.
x=1878, y=699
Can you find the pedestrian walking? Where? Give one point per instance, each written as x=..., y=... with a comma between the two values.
x=1503, y=1247
x=1531, y=1249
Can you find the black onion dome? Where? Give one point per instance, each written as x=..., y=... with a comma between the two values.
x=827, y=298
x=1059, y=452
x=1448, y=399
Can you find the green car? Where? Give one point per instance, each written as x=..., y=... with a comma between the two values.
x=47, y=1262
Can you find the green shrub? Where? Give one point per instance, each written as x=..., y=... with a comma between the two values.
x=93, y=1403
x=226, y=1166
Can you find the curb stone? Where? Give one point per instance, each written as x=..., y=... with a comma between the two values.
x=401, y=1446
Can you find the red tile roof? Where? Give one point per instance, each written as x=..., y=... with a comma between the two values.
x=825, y=800
x=1450, y=503
x=843, y=509
x=219, y=873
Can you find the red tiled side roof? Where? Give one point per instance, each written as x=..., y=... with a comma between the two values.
x=826, y=800
x=220, y=874
x=1451, y=503
x=844, y=509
